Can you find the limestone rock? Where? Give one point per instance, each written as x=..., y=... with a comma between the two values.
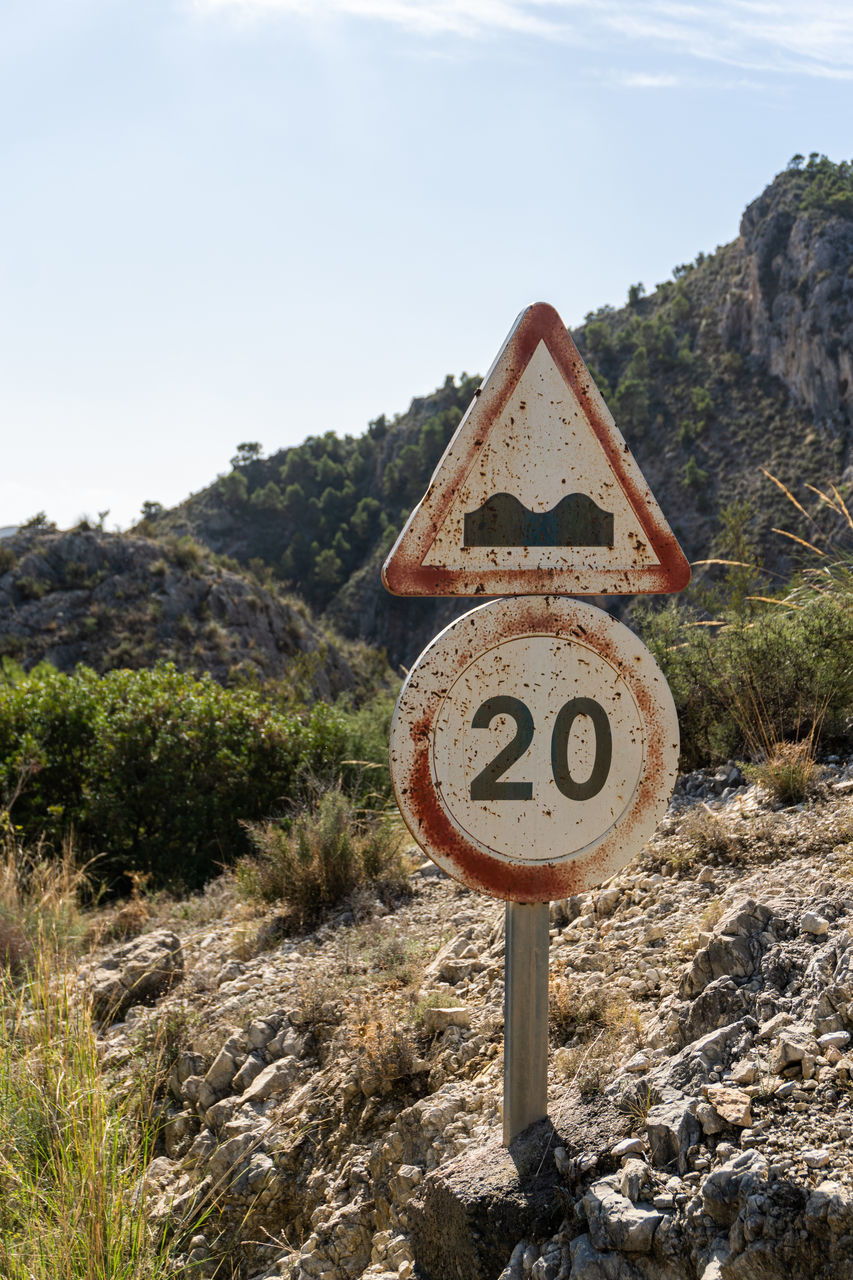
x=732, y=1105
x=723, y=1188
x=671, y=1129
x=615, y=1222
x=792, y=1045
x=735, y=949
x=136, y=973
x=439, y=1018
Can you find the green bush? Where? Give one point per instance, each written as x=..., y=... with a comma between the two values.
x=754, y=681
x=156, y=770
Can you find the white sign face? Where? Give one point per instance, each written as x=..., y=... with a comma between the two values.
x=534, y=748
x=537, y=492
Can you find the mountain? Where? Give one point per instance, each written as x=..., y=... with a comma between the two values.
x=741, y=362
x=121, y=600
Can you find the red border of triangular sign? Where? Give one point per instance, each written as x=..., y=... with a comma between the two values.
x=404, y=572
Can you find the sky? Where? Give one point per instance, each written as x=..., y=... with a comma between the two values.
x=258, y=220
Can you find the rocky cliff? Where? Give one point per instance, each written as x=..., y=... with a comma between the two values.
x=119, y=600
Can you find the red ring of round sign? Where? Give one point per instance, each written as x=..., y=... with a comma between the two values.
x=534, y=748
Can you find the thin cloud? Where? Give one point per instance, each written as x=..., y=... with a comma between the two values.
x=768, y=36
x=467, y=18
x=647, y=80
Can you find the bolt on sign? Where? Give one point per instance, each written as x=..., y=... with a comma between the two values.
x=537, y=492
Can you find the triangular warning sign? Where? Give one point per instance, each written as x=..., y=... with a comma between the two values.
x=537, y=493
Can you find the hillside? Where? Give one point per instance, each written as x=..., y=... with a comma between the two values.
x=742, y=361
x=121, y=600
x=333, y=1104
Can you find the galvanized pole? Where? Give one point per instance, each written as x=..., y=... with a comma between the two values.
x=525, y=1016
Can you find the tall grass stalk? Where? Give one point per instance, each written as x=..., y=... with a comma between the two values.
x=72, y=1162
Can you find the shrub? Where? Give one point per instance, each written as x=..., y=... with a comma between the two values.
x=384, y=1049
x=750, y=682
x=30, y=588
x=790, y=772
x=185, y=552
x=316, y=860
x=157, y=770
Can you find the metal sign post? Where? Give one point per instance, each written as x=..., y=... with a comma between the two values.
x=525, y=1017
x=534, y=745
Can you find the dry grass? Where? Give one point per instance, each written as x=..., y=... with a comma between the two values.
x=595, y=1028
x=72, y=1158
x=320, y=858
x=39, y=896
x=789, y=771
x=704, y=834
x=382, y=1046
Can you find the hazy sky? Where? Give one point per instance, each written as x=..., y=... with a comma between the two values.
x=228, y=220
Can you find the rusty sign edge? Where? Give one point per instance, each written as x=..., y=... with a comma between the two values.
x=404, y=572
x=410, y=754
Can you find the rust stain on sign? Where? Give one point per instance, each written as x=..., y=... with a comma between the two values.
x=533, y=748
x=537, y=492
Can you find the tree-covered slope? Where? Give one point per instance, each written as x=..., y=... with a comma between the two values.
x=741, y=362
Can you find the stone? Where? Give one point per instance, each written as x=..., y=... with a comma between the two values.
x=671, y=1129
x=616, y=1223
x=440, y=1017
x=635, y=1180
x=793, y=1045
x=724, y=1187
x=817, y=1157
x=589, y=1264
x=834, y=1040
x=137, y=973
x=627, y=1147
x=709, y=1119
x=639, y=1064
x=274, y=1079
x=744, y=1072
x=814, y=924
x=735, y=949
x=260, y=1032
x=251, y=1068
x=606, y=900
x=732, y=1105
x=403, y=1183
x=224, y=1066
x=769, y=1029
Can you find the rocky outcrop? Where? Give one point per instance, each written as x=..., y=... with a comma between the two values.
x=134, y=974
x=742, y=361
x=121, y=600
x=790, y=302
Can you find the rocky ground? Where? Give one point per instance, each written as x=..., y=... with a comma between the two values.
x=332, y=1101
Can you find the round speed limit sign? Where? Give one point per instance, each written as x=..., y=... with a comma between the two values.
x=534, y=747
